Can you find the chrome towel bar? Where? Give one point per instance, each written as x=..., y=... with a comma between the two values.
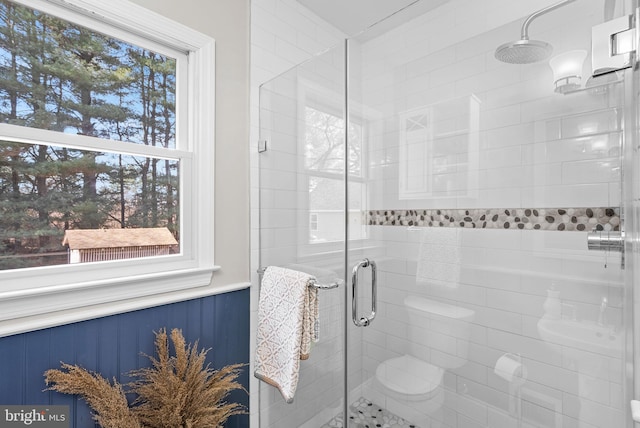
x=313, y=282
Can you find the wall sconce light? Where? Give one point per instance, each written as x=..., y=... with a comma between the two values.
x=567, y=70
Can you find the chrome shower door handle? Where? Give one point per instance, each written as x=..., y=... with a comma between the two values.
x=363, y=321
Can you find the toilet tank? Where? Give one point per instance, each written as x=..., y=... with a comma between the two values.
x=442, y=328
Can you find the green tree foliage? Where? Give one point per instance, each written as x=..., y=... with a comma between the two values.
x=62, y=77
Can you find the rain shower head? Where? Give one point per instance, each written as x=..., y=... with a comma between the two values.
x=523, y=51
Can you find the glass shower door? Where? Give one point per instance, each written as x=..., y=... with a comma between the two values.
x=302, y=223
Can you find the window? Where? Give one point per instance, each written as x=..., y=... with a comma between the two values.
x=324, y=165
x=313, y=222
x=106, y=153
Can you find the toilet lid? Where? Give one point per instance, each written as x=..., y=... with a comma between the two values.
x=409, y=375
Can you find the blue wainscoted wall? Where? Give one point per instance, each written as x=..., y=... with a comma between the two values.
x=112, y=346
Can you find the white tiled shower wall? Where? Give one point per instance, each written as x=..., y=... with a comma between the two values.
x=525, y=147
x=531, y=153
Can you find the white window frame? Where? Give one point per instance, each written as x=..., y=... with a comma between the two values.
x=42, y=297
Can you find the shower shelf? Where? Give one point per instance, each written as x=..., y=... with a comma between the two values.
x=599, y=88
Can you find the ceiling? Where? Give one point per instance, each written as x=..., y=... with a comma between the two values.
x=353, y=16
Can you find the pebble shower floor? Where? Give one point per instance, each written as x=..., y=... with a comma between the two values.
x=365, y=414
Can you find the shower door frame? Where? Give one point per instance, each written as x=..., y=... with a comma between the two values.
x=630, y=216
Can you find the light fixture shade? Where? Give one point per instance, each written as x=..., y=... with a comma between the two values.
x=567, y=70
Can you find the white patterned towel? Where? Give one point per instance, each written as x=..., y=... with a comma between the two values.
x=287, y=314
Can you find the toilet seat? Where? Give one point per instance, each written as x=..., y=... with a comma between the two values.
x=409, y=376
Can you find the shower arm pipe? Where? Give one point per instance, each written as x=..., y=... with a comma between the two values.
x=524, y=33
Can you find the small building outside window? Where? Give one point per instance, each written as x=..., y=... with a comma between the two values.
x=97, y=245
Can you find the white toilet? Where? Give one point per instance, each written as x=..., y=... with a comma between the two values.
x=412, y=387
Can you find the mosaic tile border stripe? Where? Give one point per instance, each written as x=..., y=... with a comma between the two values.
x=560, y=219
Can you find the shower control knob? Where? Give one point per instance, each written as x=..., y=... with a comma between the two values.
x=605, y=241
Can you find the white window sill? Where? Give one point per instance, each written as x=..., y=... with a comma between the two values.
x=30, y=310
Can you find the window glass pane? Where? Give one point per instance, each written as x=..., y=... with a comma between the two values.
x=60, y=76
x=60, y=205
x=326, y=210
x=324, y=143
x=324, y=161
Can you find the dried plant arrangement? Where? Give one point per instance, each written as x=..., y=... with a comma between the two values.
x=108, y=401
x=174, y=392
